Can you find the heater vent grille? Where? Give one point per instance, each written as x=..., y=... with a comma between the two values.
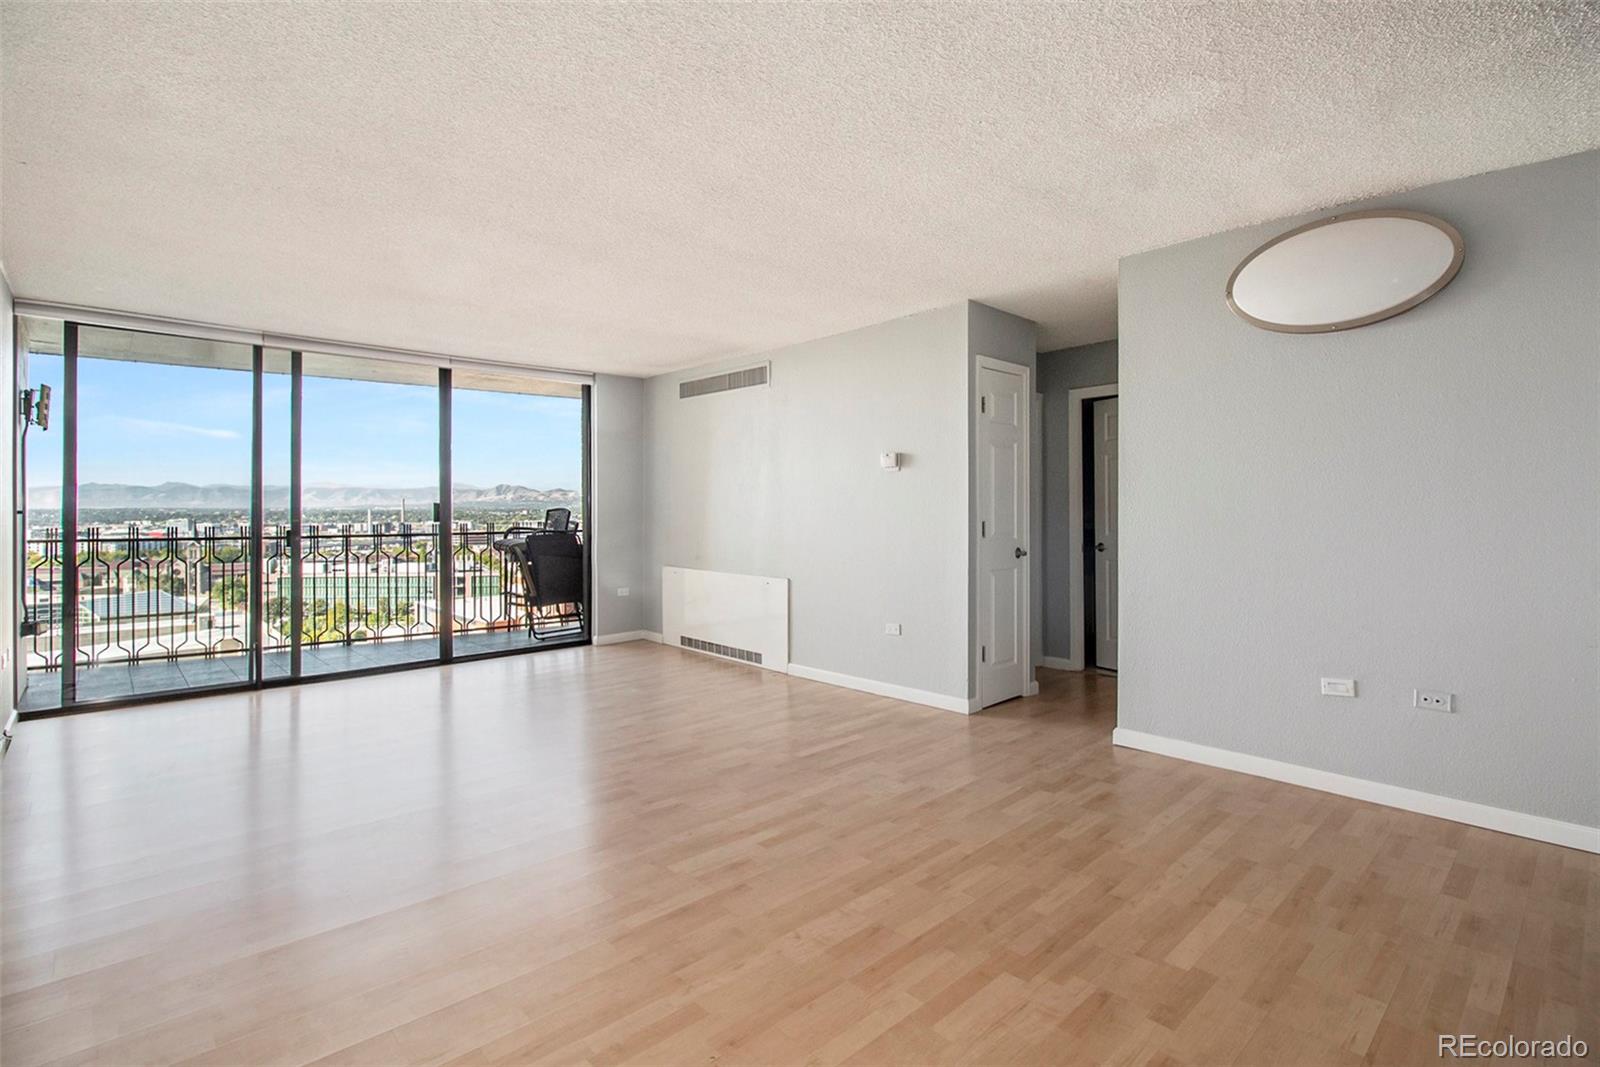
x=743, y=654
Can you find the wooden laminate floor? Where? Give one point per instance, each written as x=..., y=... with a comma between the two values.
x=633, y=854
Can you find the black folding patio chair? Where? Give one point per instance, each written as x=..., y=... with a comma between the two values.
x=549, y=566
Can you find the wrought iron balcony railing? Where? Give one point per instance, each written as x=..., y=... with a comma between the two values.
x=168, y=593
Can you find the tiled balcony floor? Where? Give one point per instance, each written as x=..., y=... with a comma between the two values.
x=120, y=681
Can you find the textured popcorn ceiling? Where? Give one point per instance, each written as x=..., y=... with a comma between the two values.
x=640, y=188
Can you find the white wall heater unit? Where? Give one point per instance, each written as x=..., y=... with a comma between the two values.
x=734, y=616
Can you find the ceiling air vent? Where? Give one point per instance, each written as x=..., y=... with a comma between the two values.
x=720, y=650
x=721, y=383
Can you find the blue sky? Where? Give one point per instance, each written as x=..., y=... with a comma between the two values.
x=145, y=423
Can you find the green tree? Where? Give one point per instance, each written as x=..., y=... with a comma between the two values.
x=232, y=592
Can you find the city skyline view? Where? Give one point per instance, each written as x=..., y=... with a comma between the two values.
x=165, y=572
x=147, y=424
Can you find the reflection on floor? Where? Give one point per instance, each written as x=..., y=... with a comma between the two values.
x=635, y=854
x=120, y=681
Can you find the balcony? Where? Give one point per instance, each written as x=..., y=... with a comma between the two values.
x=164, y=609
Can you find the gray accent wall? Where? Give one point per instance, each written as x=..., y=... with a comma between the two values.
x=1060, y=372
x=784, y=480
x=617, y=410
x=1412, y=504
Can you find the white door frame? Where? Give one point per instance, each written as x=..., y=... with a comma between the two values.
x=1075, y=606
x=1030, y=683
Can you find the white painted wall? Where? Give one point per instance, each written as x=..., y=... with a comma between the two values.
x=784, y=481
x=1412, y=504
x=617, y=413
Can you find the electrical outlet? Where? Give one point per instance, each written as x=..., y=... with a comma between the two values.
x=1433, y=700
x=892, y=629
x=1338, y=687
x=622, y=591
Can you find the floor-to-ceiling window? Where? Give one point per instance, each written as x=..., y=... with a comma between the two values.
x=279, y=415
x=207, y=514
x=517, y=511
x=369, y=447
x=43, y=571
x=163, y=427
x=138, y=507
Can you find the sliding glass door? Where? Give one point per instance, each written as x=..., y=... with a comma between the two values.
x=204, y=514
x=43, y=568
x=370, y=547
x=520, y=558
x=140, y=521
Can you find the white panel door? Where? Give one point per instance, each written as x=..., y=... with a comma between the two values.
x=1002, y=444
x=1105, y=533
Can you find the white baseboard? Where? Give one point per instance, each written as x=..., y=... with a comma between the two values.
x=630, y=635
x=1059, y=663
x=618, y=639
x=1537, y=827
x=883, y=689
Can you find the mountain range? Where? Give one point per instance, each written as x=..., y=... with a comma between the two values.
x=224, y=497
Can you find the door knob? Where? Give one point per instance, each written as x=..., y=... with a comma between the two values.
x=1021, y=552
x=1100, y=546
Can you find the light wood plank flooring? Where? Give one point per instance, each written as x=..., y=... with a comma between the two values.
x=633, y=854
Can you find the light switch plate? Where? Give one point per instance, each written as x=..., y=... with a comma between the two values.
x=1338, y=687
